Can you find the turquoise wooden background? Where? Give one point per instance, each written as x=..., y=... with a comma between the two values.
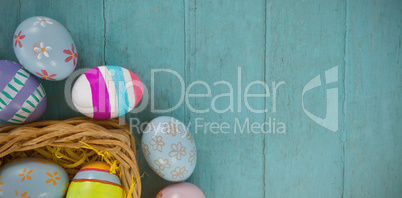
x=271, y=40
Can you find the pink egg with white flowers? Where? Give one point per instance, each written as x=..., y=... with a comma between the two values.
x=181, y=190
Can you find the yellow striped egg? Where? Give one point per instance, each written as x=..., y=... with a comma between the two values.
x=95, y=181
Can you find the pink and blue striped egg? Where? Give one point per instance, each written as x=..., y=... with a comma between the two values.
x=107, y=92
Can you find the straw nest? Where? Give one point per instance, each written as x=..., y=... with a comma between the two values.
x=74, y=142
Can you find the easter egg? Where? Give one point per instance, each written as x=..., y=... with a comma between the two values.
x=169, y=148
x=33, y=177
x=181, y=190
x=22, y=97
x=106, y=92
x=45, y=48
x=95, y=181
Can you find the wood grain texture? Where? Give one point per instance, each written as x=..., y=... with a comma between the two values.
x=11, y=19
x=271, y=41
x=304, y=39
x=221, y=37
x=373, y=104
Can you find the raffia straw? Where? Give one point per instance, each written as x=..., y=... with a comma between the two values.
x=73, y=143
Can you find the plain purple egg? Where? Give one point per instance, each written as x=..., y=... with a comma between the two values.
x=22, y=97
x=181, y=190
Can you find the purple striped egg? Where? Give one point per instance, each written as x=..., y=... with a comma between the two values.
x=106, y=92
x=22, y=97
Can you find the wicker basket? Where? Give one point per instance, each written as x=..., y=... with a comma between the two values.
x=32, y=140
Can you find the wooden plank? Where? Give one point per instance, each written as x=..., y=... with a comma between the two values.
x=373, y=106
x=304, y=39
x=220, y=37
x=10, y=13
x=141, y=36
x=84, y=20
x=10, y=21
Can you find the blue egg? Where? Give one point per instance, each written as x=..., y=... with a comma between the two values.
x=33, y=177
x=169, y=148
x=45, y=48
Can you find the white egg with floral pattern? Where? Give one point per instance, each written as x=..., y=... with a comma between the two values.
x=169, y=148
